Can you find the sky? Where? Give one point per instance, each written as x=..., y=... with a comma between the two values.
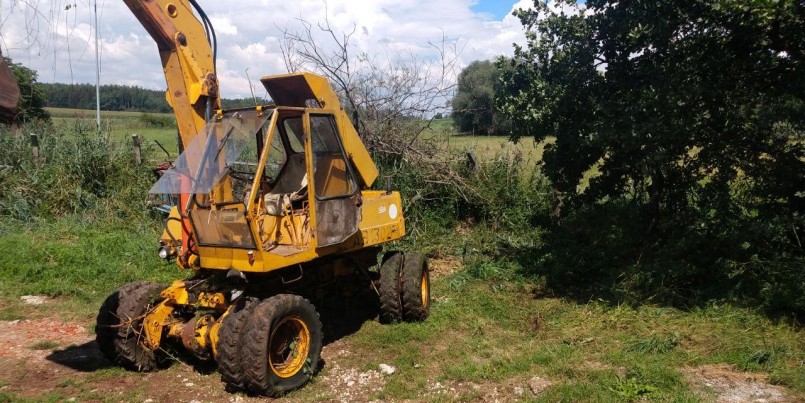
x=56, y=38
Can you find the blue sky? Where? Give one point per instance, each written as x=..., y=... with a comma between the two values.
x=496, y=8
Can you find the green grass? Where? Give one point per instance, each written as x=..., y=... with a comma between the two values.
x=44, y=345
x=492, y=334
x=488, y=148
x=166, y=137
x=90, y=114
x=489, y=332
x=79, y=261
x=121, y=126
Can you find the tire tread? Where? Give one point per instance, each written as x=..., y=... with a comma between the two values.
x=257, y=376
x=390, y=302
x=229, y=342
x=411, y=278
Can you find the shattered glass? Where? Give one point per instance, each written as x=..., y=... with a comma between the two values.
x=210, y=156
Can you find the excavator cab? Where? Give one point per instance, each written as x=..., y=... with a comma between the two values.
x=269, y=186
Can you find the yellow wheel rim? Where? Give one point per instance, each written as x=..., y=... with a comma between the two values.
x=288, y=346
x=425, y=289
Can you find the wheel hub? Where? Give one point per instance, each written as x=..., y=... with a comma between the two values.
x=288, y=346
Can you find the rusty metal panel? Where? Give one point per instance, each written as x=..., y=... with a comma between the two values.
x=336, y=220
x=9, y=93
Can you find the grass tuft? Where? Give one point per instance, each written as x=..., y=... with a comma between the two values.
x=655, y=344
x=44, y=345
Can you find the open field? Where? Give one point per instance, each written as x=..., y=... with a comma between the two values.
x=69, y=113
x=121, y=125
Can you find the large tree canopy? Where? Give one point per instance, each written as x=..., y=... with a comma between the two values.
x=474, y=108
x=692, y=112
x=674, y=100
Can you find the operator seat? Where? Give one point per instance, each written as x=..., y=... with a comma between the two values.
x=290, y=186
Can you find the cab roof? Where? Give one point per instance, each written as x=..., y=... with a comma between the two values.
x=298, y=90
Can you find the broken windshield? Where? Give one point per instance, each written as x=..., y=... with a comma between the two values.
x=211, y=154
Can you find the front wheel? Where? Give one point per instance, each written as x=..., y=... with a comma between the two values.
x=281, y=345
x=230, y=340
x=119, y=328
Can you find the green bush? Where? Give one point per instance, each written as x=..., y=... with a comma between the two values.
x=489, y=215
x=78, y=171
x=604, y=251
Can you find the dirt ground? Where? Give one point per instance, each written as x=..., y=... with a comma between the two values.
x=732, y=386
x=52, y=359
x=49, y=359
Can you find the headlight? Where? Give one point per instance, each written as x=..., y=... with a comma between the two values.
x=164, y=252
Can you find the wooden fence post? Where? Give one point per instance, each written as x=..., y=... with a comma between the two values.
x=135, y=139
x=35, y=147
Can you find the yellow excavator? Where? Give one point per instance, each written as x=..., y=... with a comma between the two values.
x=272, y=220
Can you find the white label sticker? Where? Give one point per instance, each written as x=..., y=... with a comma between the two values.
x=381, y=209
x=393, y=211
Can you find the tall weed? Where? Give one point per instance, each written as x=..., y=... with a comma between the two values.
x=78, y=171
x=488, y=213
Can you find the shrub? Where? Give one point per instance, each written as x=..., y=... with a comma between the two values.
x=77, y=171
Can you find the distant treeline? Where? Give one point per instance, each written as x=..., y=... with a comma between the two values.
x=116, y=98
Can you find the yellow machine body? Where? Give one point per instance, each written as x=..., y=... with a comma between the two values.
x=189, y=69
x=270, y=199
x=249, y=236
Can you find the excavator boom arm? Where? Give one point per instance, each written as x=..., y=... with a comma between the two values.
x=187, y=60
x=189, y=66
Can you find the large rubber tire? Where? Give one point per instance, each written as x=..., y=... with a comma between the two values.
x=390, y=290
x=275, y=317
x=107, y=320
x=415, y=280
x=119, y=327
x=229, y=342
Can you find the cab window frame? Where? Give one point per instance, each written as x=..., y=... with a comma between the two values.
x=349, y=168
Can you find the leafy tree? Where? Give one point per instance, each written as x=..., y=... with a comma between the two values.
x=693, y=113
x=674, y=98
x=32, y=97
x=113, y=97
x=119, y=98
x=474, y=103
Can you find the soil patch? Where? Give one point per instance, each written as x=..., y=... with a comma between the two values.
x=733, y=386
x=444, y=266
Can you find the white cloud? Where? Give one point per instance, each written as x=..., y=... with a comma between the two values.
x=223, y=25
x=248, y=33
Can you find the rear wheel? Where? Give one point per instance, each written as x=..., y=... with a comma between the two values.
x=119, y=330
x=390, y=290
x=415, y=285
x=229, y=342
x=281, y=345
